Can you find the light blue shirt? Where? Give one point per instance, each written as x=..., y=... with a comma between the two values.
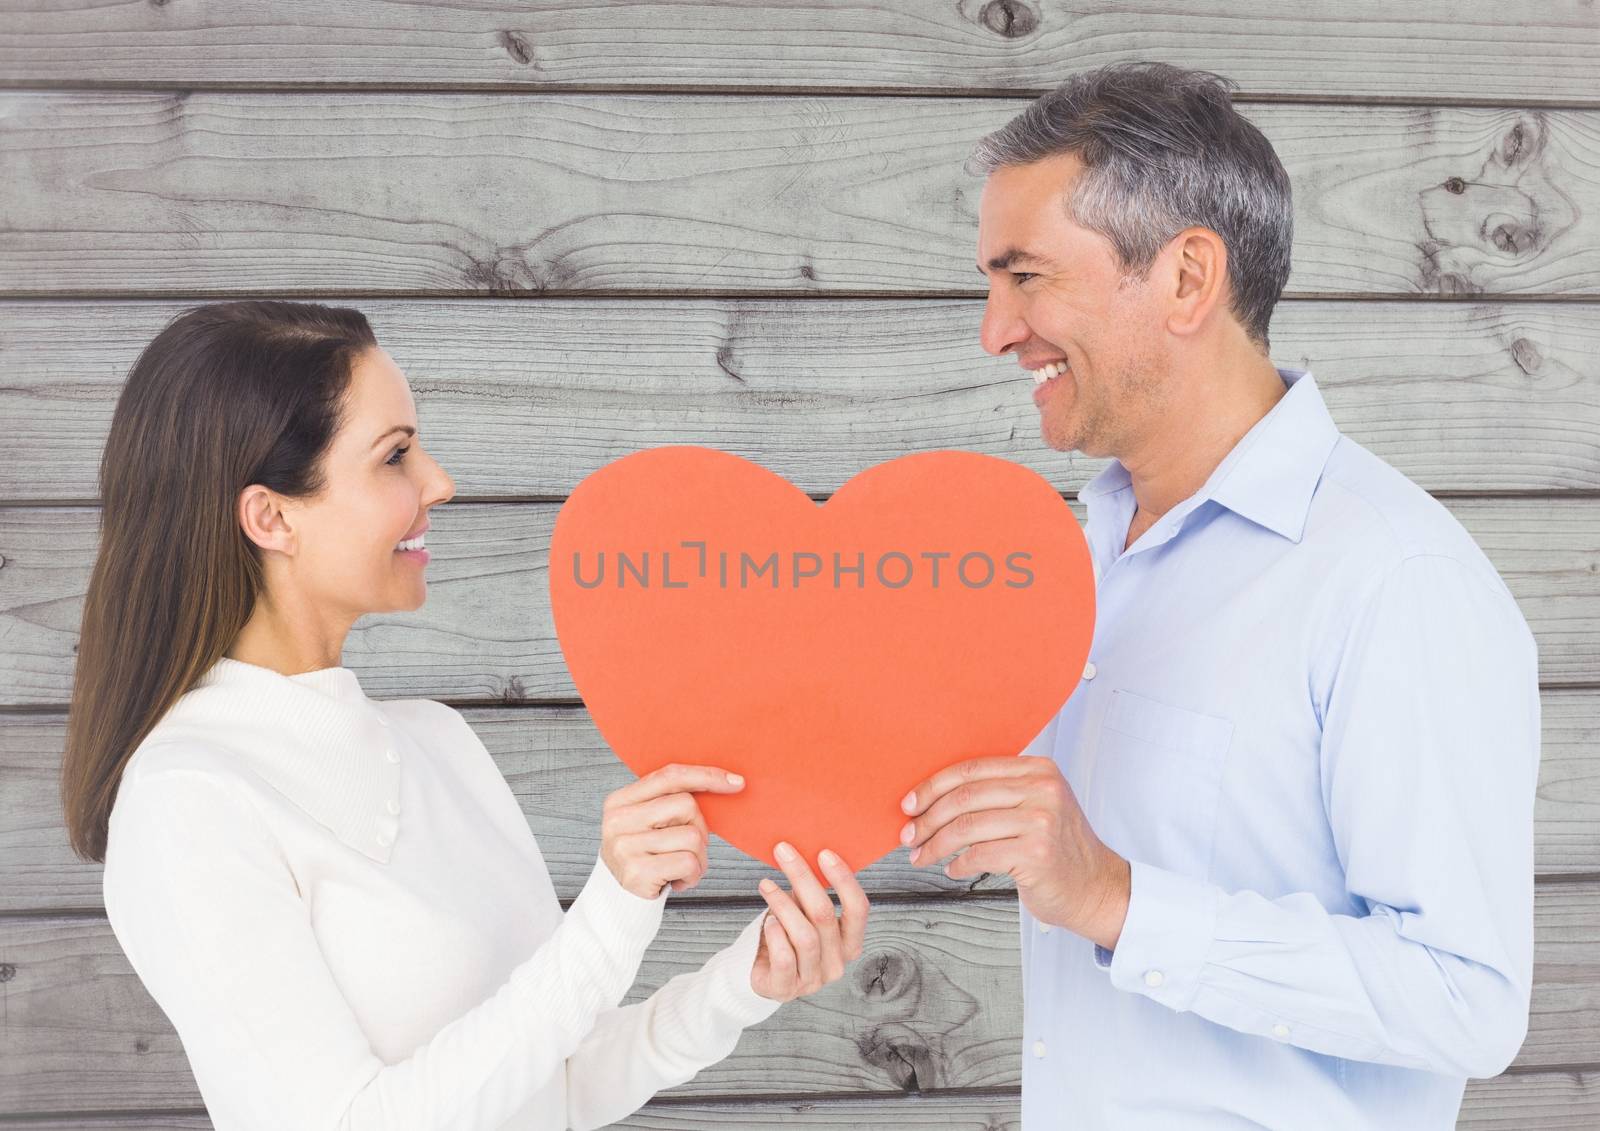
x=1310, y=721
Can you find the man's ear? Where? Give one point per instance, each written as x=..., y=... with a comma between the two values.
x=1199, y=275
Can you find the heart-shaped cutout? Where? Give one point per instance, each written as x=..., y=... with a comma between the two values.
x=938, y=606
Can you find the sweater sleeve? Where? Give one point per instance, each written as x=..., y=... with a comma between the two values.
x=204, y=905
x=692, y=1021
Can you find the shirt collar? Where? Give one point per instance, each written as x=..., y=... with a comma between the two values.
x=1271, y=474
x=314, y=737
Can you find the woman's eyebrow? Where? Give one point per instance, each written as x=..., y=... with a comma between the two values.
x=406, y=428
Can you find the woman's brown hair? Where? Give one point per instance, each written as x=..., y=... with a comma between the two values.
x=227, y=395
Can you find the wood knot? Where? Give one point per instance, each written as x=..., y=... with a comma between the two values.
x=517, y=47
x=808, y=272
x=512, y=691
x=1527, y=356
x=1009, y=19
x=141, y=1045
x=725, y=363
x=907, y=1061
x=886, y=976
x=1514, y=238
x=7, y=971
x=1455, y=185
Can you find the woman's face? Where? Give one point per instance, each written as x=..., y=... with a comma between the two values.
x=381, y=484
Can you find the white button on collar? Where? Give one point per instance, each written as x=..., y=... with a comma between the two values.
x=1154, y=978
x=393, y=806
x=1281, y=1031
x=1038, y=1048
x=392, y=754
x=1044, y=928
x=1089, y=670
x=385, y=839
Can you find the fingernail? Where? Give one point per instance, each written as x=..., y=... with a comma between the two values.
x=908, y=833
x=829, y=858
x=768, y=886
x=785, y=852
x=915, y=852
x=910, y=802
x=735, y=779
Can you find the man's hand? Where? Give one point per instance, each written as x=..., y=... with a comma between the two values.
x=1018, y=816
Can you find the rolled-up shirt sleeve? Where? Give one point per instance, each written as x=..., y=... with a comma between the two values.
x=1429, y=767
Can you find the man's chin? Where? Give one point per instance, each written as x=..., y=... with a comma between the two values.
x=1061, y=441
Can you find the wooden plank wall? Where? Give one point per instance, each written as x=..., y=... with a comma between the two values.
x=588, y=227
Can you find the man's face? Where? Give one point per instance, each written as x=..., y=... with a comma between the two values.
x=1056, y=294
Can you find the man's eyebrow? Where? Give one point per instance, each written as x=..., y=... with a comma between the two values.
x=1008, y=257
x=406, y=428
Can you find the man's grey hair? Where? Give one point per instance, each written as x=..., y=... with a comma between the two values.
x=1163, y=150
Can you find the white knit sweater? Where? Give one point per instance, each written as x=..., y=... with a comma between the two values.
x=339, y=906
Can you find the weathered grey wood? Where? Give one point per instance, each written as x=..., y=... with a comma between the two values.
x=1548, y=1101
x=933, y=1004
x=1461, y=397
x=559, y=769
x=1474, y=51
x=135, y=193
x=485, y=630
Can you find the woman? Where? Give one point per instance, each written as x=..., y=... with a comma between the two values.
x=336, y=900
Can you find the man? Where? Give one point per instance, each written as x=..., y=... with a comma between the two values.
x=1275, y=855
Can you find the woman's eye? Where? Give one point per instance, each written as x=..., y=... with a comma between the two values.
x=399, y=454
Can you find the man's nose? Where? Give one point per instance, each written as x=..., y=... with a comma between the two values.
x=1003, y=329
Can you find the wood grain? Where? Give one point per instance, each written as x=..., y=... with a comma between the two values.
x=1300, y=48
x=559, y=769
x=1525, y=1101
x=226, y=193
x=485, y=633
x=1462, y=397
x=933, y=1004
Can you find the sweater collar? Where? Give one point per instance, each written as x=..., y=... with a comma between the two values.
x=330, y=749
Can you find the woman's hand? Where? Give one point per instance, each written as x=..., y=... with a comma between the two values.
x=804, y=944
x=652, y=833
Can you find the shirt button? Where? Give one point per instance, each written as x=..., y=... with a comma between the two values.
x=1154, y=978
x=392, y=754
x=393, y=806
x=1089, y=670
x=1044, y=928
x=385, y=839
x=1281, y=1031
x=1038, y=1048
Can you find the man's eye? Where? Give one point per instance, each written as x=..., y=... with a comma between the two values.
x=1019, y=276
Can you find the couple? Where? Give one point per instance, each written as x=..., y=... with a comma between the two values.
x=1274, y=855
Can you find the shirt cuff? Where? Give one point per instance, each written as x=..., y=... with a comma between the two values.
x=728, y=979
x=1166, y=936
x=615, y=913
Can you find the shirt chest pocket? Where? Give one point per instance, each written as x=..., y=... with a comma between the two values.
x=1157, y=780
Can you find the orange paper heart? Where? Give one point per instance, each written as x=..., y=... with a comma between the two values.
x=939, y=606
